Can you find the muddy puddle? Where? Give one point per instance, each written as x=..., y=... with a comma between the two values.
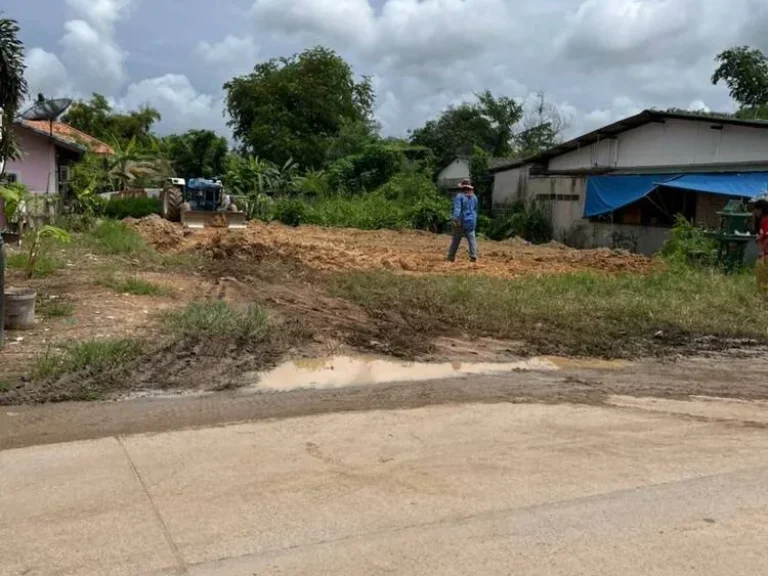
x=347, y=371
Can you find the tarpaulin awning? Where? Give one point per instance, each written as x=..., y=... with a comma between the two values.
x=742, y=185
x=608, y=193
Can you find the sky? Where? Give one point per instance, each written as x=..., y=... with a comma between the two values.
x=596, y=60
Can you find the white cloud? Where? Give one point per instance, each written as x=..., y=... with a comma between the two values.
x=231, y=56
x=340, y=20
x=95, y=63
x=180, y=104
x=93, y=57
x=46, y=74
x=698, y=106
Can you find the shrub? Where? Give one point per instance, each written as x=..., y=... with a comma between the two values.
x=132, y=207
x=532, y=222
x=689, y=244
x=292, y=212
x=433, y=214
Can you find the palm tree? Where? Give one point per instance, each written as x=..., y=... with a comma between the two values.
x=13, y=87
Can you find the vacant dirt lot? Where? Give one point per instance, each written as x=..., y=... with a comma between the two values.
x=334, y=250
x=284, y=270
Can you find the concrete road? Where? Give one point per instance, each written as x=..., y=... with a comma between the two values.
x=632, y=487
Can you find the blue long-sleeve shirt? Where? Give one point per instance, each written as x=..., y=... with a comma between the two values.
x=465, y=211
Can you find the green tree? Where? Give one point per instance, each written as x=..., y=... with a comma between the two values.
x=457, y=131
x=488, y=123
x=745, y=71
x=13, y=87
x=97, y=118
x=504, y=113
x=293, y=108
x=197, y=153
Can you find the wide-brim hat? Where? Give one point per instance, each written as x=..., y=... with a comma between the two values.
x=466, y=185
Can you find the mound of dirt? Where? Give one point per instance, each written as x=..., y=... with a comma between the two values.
x=165, y=236
x=412, y=252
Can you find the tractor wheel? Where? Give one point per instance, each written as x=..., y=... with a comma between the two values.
x=172, y=199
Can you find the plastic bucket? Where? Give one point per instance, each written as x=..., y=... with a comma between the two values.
x=19, y=308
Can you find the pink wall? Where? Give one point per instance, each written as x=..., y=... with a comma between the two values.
x=37, y=167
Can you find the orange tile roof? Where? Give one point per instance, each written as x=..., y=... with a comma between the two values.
x=70, y=135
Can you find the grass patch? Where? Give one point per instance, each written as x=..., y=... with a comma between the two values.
x=98, y=356
x=48, y=308
x=588, y=313
x=115, y=238
x=44, y=267
x=135, y=285
x=217, y=319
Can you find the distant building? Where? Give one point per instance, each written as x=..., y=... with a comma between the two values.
x=450, y=177
x=48, y=152
x=623, y=185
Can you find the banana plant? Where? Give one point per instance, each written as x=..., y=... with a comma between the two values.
x=38, y=244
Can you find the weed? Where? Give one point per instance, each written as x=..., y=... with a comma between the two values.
x=55, y=308
x=98, y=356
x=590, y=313
x=217, y=319
x=114, y=238
x=43, y=266
x=135, y=285
x=119, y=208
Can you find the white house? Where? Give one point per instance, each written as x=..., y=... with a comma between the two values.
x=450, y=177
x=623, y=185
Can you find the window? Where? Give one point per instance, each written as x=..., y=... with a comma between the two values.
x=11, y=177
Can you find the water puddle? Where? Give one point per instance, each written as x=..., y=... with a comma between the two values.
x=345, y=371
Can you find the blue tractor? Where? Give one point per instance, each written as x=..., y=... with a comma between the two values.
x=200, y=203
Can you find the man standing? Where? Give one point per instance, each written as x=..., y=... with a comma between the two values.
x=464, y=221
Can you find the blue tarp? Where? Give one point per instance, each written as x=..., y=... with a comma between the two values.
x=608, y=193
x=742, y=185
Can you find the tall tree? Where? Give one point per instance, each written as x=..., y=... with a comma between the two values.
x=197, y=153
x=745, y=71
x=456, y=131
x=97, y=118
x=504, y=113
x=488, y=124
x=541, y=128
x=13, y=87
x=294, y=107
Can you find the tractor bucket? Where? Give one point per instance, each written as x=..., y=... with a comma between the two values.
x=197, y=219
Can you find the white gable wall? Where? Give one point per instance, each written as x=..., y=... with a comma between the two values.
x=456, y=170
x=672, y=144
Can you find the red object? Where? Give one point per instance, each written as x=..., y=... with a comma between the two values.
x=762, y=237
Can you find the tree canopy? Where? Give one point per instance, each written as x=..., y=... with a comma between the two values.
x=294, y=107
x=197, y=153
x=97, y=118
x=13, y=87
x=745, y=71
x=496, y=125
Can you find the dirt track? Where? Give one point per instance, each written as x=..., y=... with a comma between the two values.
x=335, y=250
x=577, y=382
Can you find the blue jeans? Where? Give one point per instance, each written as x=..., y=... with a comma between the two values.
x=458, y=234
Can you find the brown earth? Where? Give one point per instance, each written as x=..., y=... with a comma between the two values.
x=277, y=267
x=333, y=250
